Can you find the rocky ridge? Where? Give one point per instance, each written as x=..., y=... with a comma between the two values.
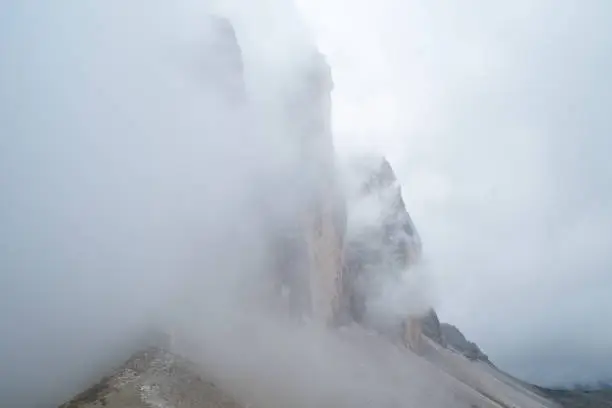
x=153, y=378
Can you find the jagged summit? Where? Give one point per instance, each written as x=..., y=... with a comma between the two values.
x=383, y=243
x=372, y=182
x=373, y=170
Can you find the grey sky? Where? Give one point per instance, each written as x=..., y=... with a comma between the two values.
x=492, y=113
x=495, y=116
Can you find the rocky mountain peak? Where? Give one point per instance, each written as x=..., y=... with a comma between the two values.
x=385, y=243
x=324, y=268
x=382, y=242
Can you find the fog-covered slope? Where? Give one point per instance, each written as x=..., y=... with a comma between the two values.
x=363, y=370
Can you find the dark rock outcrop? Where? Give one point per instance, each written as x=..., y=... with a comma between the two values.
x=431, y=327
x=449, y=336
x=323, y=216
x=457, y=341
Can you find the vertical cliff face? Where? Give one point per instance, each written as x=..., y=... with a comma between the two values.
x=298, y=200
x=323, y=217
x=382, y=243
x=314, y=263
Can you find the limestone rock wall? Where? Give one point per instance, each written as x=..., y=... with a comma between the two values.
x=304, y=207
x=322, y=209
x=325, y=249
x=299, y=200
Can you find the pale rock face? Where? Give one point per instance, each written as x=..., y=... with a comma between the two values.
x=324, y=223
x=325, y=242
x=310, y=246
x=301, y=208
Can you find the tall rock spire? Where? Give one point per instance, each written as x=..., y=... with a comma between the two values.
x=324, y=217
x=316, y=275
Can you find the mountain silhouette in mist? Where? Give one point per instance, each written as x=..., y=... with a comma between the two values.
x=336, y=266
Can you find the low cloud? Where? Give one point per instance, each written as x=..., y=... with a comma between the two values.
x=492, y=115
